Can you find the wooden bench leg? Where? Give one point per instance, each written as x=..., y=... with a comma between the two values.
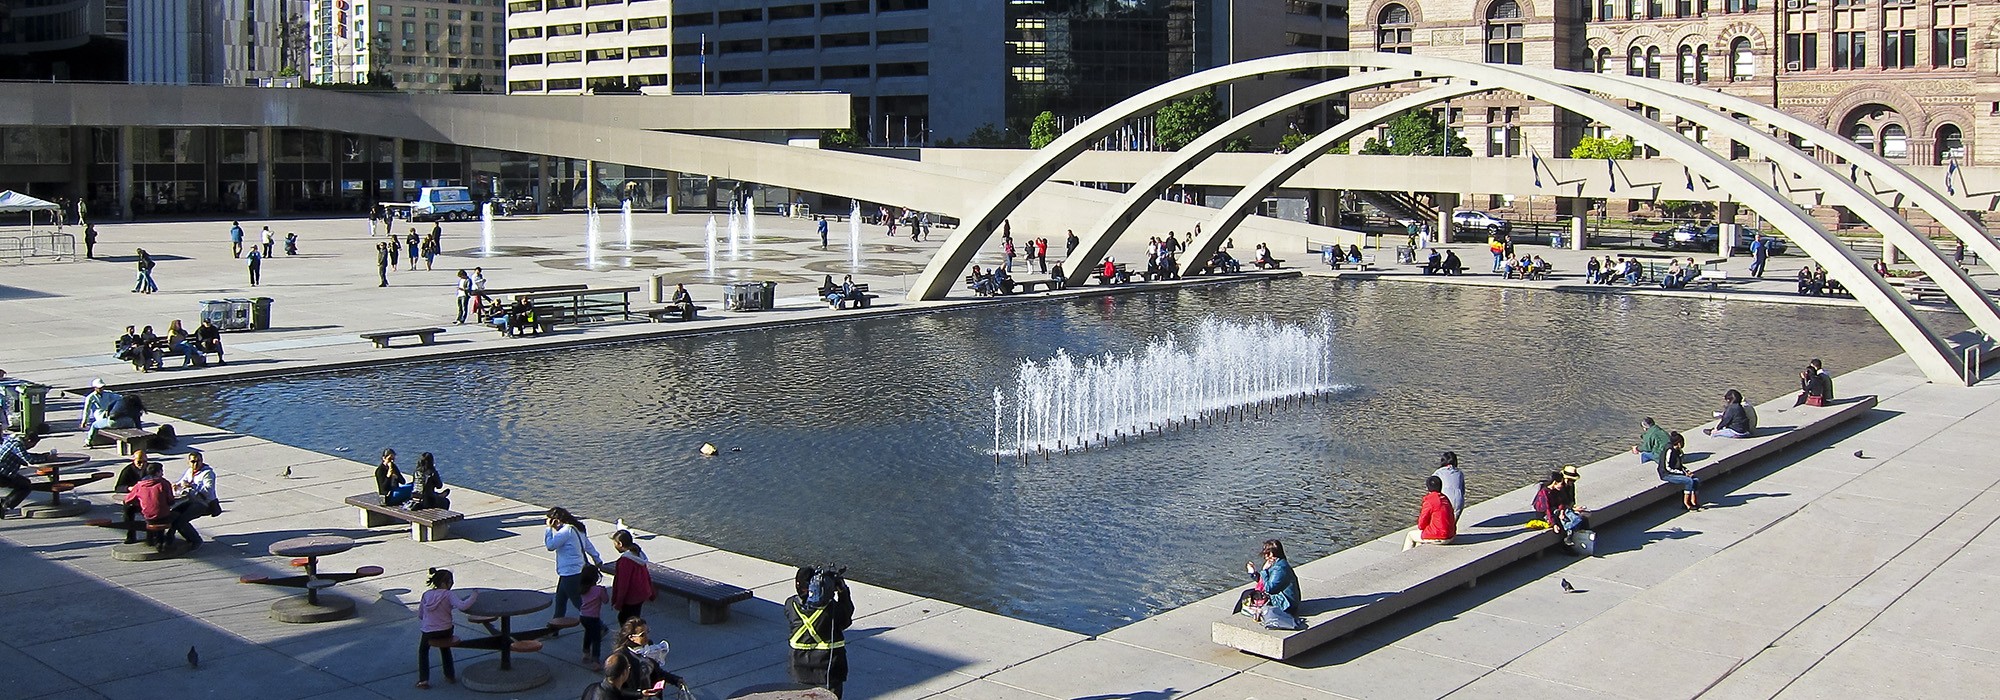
x=706, y=614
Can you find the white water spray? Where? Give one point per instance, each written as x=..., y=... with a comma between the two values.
x=590, y=237
x=709, y=245
x=1223, y=368
x=854, y=237
x=486, y=229
x=735, y=229
x=749, y=220
x=625, y=220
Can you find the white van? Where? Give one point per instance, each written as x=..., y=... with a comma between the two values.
x=444, y=203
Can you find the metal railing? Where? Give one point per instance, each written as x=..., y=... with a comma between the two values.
x=54, y=246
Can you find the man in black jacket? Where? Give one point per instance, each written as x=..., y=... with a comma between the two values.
x=820, y=615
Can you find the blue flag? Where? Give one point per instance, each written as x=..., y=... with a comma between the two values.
x=1948, y=173
x=1611, y=168
x=1535, y=164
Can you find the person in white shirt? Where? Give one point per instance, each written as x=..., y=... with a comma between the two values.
x=565, y=536
x=195, y=497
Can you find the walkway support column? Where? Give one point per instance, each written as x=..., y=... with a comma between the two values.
x=1577, y=232
x=127, y=142
x=265, y=195
x=396, y=171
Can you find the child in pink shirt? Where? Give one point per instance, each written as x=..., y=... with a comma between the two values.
x=434, y=621
x=591, y=610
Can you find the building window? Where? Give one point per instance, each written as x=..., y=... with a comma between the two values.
x=1802, y=51
x=1653, y=65
x=1950, y=20
x=1396, y=29
x=1850, y=49
x=1635, y=62
x=1684, y=71
x=1742, y=61
x=1895, y=142
x=1506, y=34
x=1603, y=60
x=1607, y=10
x=1863, y=136
x=1950, y=145
x=1899, y=48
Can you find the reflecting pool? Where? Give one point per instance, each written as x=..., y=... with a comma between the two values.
x=869, y=442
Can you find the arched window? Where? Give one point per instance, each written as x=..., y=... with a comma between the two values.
x=1603, y=60
x=1653, y=62
x=1701, y=63
x=1742, y=61
x=1895, y=142
x=1950, y=145
x=1395, y=30
x=1685, y=71
x=1506, y=34
x=1862, y=136
x=1635, y=62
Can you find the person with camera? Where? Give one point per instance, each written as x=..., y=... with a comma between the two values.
x=820, y=615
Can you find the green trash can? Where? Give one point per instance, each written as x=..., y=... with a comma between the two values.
x=29, y=404
x=260, y=314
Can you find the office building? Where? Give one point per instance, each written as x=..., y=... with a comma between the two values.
x=414, y=45
x=63, y=40
x=568, y=46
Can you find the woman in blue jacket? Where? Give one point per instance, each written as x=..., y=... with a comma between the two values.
x=1276, y=580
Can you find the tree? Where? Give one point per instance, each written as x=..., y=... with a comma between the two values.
x=1418, y=133
x=1044, y=130
x=1597, y=148
x=381, y=79
x=473, y=84
x=1291, y=141
x=1182, y=121
x=986, y=136
x=844, y=138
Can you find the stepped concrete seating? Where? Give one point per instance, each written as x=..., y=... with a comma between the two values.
x=1346, y=593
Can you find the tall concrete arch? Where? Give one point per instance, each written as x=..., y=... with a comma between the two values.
x=1926, y=198
x=1970, y=298
x=1895, y=314
x=1097, y=239
x=977, y=228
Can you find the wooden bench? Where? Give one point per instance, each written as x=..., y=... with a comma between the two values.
x=1027, y=286
x=426, y=525
x=1918, y=288
x=128, y=440
x=861, y=299
x=425, y=336
x=670, y=313
x=1442, y=270
x=708, y=599
x=492, y=293
x=1122, y=269
x=1357, y=587
x=1367, y=263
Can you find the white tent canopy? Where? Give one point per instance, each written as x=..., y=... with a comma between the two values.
x=12, y=202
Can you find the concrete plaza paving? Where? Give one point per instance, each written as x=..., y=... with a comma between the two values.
x=1860, y=563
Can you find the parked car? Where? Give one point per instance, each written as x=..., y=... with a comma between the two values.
x=1743, y=239
x=1480, y=221
x=1686, y=237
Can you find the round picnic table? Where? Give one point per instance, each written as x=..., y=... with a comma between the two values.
x=782, y=691
x=59, y=507
x=313, y=607
x=505, y=674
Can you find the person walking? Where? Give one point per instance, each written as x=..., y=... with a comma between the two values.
x=1760, y=253
x=235, y=239
x=1069, y=244
x=256, y=266
x=270, y=242
x=818, y=616
x=411, y=241
x=395, y=247
x=822, y=232
x=146, y=284
x=464, y=295
x=434, y=625
x=89, y=241
x=382, y=263
x=566, y=537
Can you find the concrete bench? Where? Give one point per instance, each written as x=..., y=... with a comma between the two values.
x=426, y=524
x=425, y=336
x=1025, y=286
x=670, y=313
x=1367, y=263
x=128, y=440
x=1351, y=597
x=708, y=599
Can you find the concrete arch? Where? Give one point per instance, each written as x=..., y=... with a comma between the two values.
x=1970, y=298
x=1097, y=239
x=1889, y=308
x=1925, y=197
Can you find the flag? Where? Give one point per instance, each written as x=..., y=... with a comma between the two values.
x=1948, y=172
x=1611, y=168
x=1689, y=174
x=1853, y=172
x=1535, y=164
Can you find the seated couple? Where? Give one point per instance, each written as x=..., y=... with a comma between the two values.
x=1449, y=264
x=426, y=492
x=513, y=319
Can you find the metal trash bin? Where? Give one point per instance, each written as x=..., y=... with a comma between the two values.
x=28, y=404
x=227, y=314
x=768, y=296
x=736, y=295
x=260, y=314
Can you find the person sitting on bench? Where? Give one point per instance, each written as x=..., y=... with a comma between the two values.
x=982, y=283
x=124, y=412
x=1222, y=262
x=208, y=338
x=517, y=319
x=152, y=500
x=1003, y=283
x=1452, y=265
x=1056, y=280
x=685, y=301
x=1733, y=421
x=1276, y=585
x=429, y=486
x=1436, y=522
x=1433, y=264
x=1263, y=259
x=841, y=293
x=1815, y=387
x=1354, y=253
x=130, y=348
x=14, y=455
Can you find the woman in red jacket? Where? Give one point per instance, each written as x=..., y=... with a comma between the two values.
x=631, y=582
x=1435, y=523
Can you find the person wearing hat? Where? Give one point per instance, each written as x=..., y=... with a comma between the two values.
x=1453, y=482
x=1570, y=474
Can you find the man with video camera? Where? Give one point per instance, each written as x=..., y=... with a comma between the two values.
x=820, y=615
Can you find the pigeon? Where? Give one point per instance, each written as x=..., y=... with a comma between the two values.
x=1567, y=588
x=1858, y=455
x=194, y=659
x=621, y=524
x=287, y=473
